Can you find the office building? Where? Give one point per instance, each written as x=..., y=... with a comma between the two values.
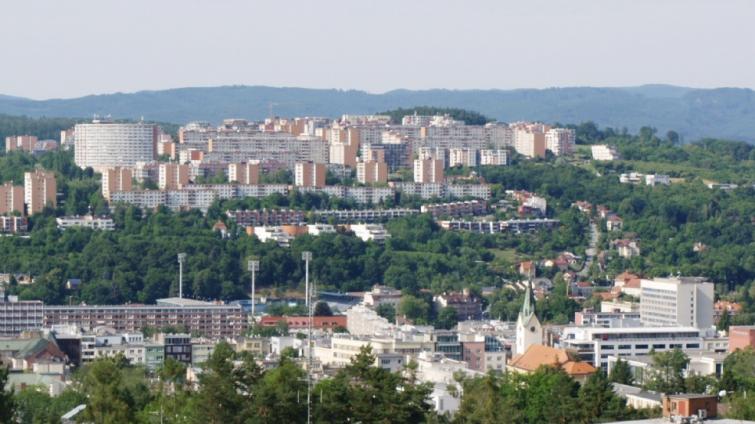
x=310, y=174
x=428, y=171
x=372, y=172
x=676, y=301
x=39, y=191
x=173, y=176
x=116, y=179
x=244, y=173
x=104, y=144
x=596, y=344
x=11, y=198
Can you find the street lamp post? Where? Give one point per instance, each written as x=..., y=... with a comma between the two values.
x=253, y=267
x=306, y=257
x=181, y=261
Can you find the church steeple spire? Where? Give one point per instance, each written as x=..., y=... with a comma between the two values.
x=528, y=307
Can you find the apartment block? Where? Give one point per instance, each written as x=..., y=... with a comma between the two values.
x=116, y=179
x=11, y=198
x=17, y=316
x=371, y=171
x=13, y=224
x=204, y=318
x=676, y=301
x=462, y=157
x=529, y=139
x=25, y=143
x=244, y=173
x=493, y=157
x=560, y=141
x=343, y=145
x=39, y=191
x=428, y=171
x=103, y=144
x=309, y=174
x=173, y=176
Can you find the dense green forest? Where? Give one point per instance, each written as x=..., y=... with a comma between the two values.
x=467, y=116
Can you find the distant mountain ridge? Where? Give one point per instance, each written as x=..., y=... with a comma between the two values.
x=694, y=113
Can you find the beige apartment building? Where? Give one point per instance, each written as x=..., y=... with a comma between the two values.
x=529, y=139
x=173, y=176
x=116, y=179
x=372, y=172
x=343, y=145
x=11, y=198
x=39, y=191
x=244, y=173
x=308, y=174
x=428, y=171
x=24, y=143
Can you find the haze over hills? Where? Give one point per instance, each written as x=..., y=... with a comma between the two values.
x=694, y=113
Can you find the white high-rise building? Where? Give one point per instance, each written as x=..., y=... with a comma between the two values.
x=676, y=301
x=462, y=157
x=560, y=141
x=103, y=145
x=493, y=157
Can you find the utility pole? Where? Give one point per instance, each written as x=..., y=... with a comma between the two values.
x=306, y=257
x=181, y=261
x=253, y=267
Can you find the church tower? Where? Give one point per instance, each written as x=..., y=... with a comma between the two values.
x=528, y=328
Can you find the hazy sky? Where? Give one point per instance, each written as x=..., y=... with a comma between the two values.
x=54, y=48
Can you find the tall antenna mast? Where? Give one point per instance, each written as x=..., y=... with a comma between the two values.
x=307, y=256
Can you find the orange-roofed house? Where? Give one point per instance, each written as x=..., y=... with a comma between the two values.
x=538, y=355
x=527, y=269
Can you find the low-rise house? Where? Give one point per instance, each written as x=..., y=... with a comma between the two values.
x=380, y=295
x=626, y=248
x=370, y=232
x=637, y=397
x=614, y=223
x=467, y=305
x=87, y=221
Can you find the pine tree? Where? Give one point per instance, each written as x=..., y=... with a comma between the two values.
x=621, y=373
x=7, y=402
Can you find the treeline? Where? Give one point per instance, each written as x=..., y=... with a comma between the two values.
x=467, y=116
x=43, y=128
x=233, y=388
x=137, y=262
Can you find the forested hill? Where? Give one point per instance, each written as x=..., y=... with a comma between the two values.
x=693, y=113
